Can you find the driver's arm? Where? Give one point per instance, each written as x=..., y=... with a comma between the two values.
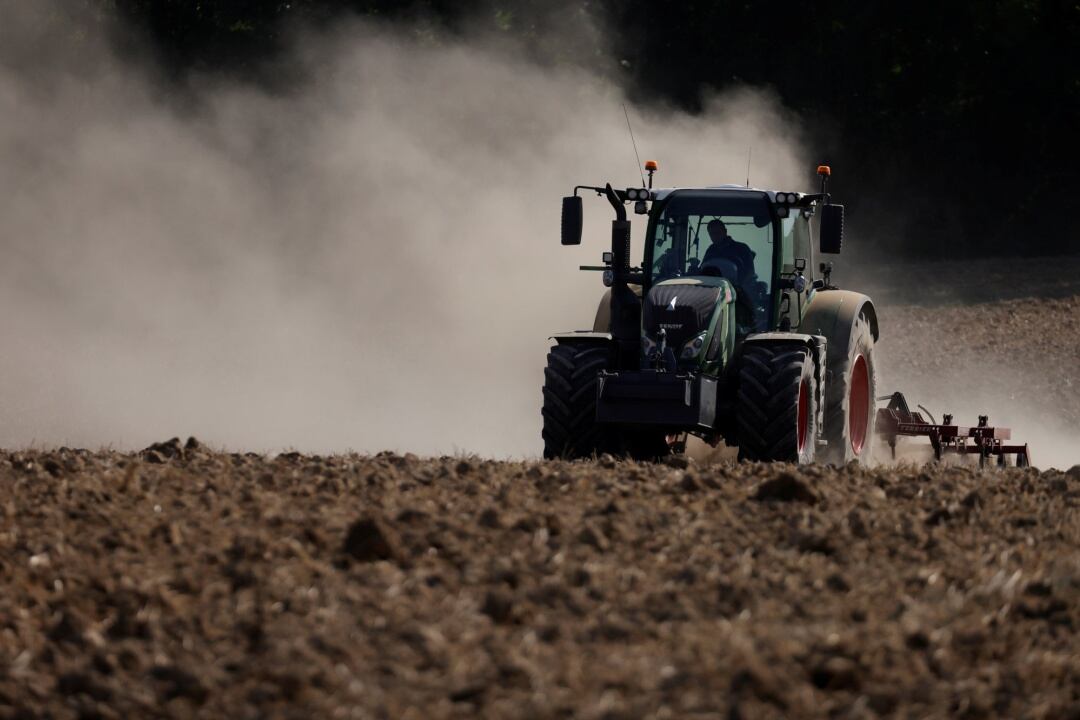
x=749, y=268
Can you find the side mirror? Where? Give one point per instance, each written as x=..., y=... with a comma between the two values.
x=831, y=236
x=571, y=220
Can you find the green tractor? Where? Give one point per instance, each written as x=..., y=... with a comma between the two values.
x=724, y=332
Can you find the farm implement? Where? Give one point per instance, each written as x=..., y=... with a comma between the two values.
x=984, y=441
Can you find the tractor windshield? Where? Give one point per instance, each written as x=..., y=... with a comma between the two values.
x=719, y=234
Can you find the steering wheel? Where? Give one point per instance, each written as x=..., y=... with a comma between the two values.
x=720, y=267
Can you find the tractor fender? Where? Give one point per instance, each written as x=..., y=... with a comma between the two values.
x=585, y=339
x=832, y=313
x=582, y=337
x=602, y=322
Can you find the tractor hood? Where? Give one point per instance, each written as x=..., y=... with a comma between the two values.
x=683, y=307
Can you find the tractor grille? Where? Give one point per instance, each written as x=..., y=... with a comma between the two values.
x=694, y=305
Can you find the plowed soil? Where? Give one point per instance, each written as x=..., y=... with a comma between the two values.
x=180, y=581
x=395, y=587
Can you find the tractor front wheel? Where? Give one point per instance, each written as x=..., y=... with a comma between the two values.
x=777, y=405
x=569, y=411
x=570, y=429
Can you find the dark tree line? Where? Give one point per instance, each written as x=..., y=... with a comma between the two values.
x=952, y=124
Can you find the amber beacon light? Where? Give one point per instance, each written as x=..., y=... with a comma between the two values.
x=651, y=166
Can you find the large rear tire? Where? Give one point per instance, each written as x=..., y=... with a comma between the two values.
x=849, y=399
x=776, y=406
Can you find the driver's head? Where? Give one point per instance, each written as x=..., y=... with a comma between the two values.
x=717, y=230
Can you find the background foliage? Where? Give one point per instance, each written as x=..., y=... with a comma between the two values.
x=952, y=124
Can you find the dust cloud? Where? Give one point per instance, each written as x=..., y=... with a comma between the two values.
x=369, y=261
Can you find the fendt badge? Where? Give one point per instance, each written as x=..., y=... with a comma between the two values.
x=671, y=305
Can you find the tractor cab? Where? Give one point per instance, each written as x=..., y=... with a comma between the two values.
x=732, y=260
x=732, y=233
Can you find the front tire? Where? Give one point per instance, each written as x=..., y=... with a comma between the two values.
x=570, y=378
x=777, y=405
x=570, y=429
x=849, y=399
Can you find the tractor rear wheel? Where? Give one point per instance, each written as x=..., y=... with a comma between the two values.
x=569, y=410
x=776, y=406
x=849, y=399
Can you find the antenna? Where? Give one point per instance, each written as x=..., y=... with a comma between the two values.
x=749, y=151
x=634, y=142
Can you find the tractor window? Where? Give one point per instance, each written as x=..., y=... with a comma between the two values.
x=716, y=233
x=802, y=240
x=796, y=234
x=684, y=237
x=787, y=232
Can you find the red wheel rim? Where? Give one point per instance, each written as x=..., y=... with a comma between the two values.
x=859, y=404
x=804, y=414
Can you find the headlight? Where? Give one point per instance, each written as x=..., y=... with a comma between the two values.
x=781, y=197
x=648, y=347
x=782, y=212
x=693, y=347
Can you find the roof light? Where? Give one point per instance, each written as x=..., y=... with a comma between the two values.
x=824, y=170
x=651, y=165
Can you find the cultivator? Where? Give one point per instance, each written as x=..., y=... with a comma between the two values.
x=898, y=420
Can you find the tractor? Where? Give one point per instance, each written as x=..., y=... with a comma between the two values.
x=727, y=331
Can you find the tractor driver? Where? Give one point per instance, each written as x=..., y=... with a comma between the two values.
x=725, y=247
x=726, y=253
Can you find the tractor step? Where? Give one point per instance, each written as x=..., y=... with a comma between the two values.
x=983, y=440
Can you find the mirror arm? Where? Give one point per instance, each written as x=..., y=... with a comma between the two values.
x=620, y=209
x=597, y=190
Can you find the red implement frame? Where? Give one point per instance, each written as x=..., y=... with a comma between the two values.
x=898, y=420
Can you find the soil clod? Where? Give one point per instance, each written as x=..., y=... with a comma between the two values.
x=786, y=487
x=370, y=539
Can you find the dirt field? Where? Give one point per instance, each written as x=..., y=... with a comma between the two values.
x=180, y=581
x=394, y=587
